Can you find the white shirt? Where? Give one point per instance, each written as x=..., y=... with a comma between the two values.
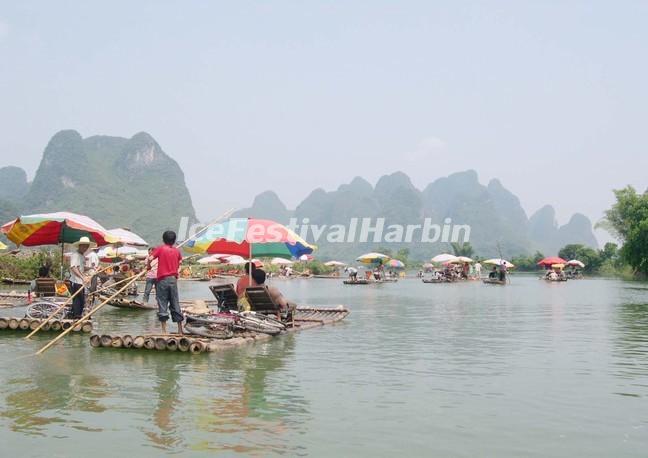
x=77, y=260
x=92, y=260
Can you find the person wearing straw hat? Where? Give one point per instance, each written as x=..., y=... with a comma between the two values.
x=78, y=275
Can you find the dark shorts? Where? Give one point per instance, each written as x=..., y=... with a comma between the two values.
x=78, y=303
x=168, y=300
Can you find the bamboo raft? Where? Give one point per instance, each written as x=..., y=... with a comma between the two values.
x=436, y=280
x=361, y=281
x=15, y=281
x=128, y=303
x=493, y=281
x=29, y=324
x=305, y=318
x=13, y=300
x=123, y=303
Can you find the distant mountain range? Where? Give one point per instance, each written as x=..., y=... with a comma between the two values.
x=120, y=182
x=133, y=183
x=498, y=221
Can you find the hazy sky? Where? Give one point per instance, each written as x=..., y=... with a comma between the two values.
x=549, y=96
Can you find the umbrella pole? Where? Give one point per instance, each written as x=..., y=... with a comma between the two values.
x=62, y=257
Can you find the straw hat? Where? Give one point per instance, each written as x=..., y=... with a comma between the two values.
x=85, y=241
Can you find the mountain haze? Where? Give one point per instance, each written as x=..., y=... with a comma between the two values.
x=120, y=182
x=498, y=221
x=133, y=183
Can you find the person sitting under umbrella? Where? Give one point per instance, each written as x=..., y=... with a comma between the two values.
x=245, y=281
x=493, y=273
x=259, y=277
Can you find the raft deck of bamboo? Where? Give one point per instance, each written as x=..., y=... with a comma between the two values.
x=29, y=324
x=305, y=318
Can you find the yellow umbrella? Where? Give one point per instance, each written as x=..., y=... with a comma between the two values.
x=3, y=246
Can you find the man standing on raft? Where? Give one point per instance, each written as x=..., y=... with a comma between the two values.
x=168, y=263
x=79, y=278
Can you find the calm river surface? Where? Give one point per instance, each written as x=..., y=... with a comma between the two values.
x=530, y=369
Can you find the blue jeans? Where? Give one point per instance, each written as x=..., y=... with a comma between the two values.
x=168, y=300
x=150, y=283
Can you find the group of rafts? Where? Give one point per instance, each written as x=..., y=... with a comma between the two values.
x=211, y=324
x=558, y=269
x=448, y=268
x=443, y=268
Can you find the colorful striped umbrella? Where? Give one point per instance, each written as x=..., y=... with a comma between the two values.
x=54, y=229
x=395, y=263
x=249, y=237
x=373, y=258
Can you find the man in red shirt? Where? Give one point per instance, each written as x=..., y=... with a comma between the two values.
x=168, y=263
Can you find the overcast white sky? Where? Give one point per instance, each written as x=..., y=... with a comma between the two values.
x=549, y=96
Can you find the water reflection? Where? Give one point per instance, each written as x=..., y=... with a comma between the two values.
x=167, y=389
x=238, y=400
x=250, y=412
x=55, y=388
x=631, y=340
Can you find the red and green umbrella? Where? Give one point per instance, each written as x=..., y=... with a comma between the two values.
x=54, y=229
x=548, y=262
x=249, y=238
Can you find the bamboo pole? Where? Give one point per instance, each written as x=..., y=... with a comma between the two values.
x=69, y=300
x=134, y=279
x=90, y=313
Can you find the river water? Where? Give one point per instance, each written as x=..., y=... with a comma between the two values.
x=530, y=369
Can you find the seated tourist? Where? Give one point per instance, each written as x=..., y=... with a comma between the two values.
x=44, y=270
x=245, y=281
x=493, y=273
x=259, y=278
